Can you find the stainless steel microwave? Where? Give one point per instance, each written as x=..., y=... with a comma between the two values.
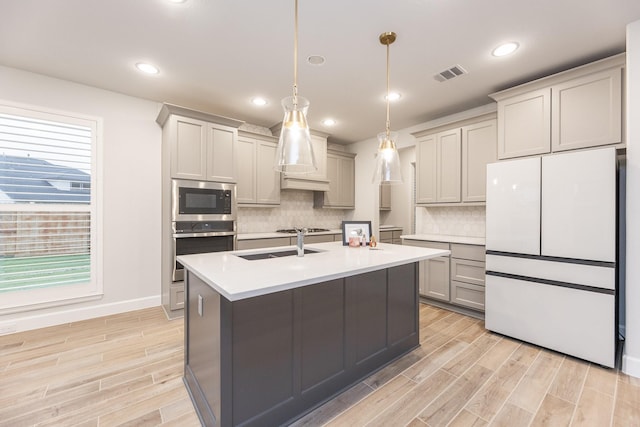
x=202, y=201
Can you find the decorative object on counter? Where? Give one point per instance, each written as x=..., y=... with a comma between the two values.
x=388, y=161
x=372, y=242
x=356, y=229
x=294, y=153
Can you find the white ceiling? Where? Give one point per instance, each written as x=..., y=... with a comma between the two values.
x=215, y=55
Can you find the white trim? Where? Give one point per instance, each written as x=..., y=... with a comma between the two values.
x=78, y=314
x=631, y=365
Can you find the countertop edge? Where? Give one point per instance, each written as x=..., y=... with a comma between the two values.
x=467, y=240
x=296, y=283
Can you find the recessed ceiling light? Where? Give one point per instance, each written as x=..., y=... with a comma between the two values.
x=259, y=101
x=505, y=49
x=329, y=122
x=147, y=68
x=315, y=60
x=393, y=96
x=177, y=1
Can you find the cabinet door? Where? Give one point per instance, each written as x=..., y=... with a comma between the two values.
x=267, y=179
x=331, y=197
x=524, y=124
x=587, y=111
x=479, y=148
x=448, y=166
x=385, y=197
x=436, y=278
x=188, y=148
x=348, y=179
x=221, y=154
x=426, y=160
x=246, y=186
x=320, y=151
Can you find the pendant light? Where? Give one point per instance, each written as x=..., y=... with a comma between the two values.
x=388, y=161
x=294, y=153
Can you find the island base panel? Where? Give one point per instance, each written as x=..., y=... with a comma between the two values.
x=280, y=355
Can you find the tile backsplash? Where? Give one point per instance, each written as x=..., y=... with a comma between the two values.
x=466, y=221
x=295, y=210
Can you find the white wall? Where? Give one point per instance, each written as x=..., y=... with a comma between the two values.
x=131, y=193
x=631, y=358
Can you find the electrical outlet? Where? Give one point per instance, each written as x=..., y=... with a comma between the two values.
x=8, y=328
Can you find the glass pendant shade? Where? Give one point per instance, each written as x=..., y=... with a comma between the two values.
x=294, y=153
x=387, y=169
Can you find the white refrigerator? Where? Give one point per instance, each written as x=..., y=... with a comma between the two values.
x=551, y=252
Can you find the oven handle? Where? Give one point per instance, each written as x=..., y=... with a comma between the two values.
x=208, y=234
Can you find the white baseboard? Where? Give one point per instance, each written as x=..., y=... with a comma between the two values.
x=631, y=365
x=68, y=315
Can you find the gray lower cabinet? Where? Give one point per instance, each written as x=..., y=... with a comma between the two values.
x=270, y=359
x=285, y=241
x=391, y=236
x=458, y=279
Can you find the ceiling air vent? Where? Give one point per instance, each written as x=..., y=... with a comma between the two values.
x=450, y=73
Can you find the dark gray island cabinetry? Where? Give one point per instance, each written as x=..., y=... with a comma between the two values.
x=266, y=360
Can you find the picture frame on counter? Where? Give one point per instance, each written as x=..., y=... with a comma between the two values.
x=356, y=229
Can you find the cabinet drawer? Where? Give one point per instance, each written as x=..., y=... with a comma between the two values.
x=426, y=244
x=467, y=295
x=386, y=235
x=463, y=270
x=263, y=243
x=473, y=252
x=176, y=296
x=315, y=239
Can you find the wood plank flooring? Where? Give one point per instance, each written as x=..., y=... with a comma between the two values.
x=125, y=370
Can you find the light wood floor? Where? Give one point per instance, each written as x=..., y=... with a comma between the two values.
x=126, y=370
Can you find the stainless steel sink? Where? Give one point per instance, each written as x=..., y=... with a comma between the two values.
x=277, y=254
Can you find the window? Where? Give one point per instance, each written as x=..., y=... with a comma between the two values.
x=48, y=206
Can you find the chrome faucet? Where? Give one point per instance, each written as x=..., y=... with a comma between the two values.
x=300, y=242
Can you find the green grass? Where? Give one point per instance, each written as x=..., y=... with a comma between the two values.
x=23, y=273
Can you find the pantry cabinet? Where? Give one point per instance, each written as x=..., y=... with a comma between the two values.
x=578, y=108
x=341, y=173
x=451, y=163
x=258, y=182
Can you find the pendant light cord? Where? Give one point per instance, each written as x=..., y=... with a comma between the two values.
x=295, y=57
x=388, y=121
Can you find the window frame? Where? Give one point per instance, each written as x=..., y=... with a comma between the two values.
x=33, y=299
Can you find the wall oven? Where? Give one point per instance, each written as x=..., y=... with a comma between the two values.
x=196, y=237
x=202, y=201
x=203, y=219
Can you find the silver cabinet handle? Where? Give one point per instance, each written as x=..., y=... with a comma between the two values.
x=200, y=305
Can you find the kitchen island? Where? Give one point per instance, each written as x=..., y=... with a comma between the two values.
x=267, y=340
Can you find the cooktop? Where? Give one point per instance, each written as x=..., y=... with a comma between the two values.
x=295, y=230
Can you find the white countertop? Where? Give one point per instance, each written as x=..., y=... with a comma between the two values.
x=445, y=238
x=236, y=278
x=273, y=235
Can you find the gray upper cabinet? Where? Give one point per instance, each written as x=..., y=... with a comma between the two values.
x=478, y=150
x=578, y=108
x=258, y=182
x=587, y=111
x=341, y=169
x=450, y=164
x=200, y=150
x=426, y=173
x=385, y=197
x=525, y=125
x=318, y=180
